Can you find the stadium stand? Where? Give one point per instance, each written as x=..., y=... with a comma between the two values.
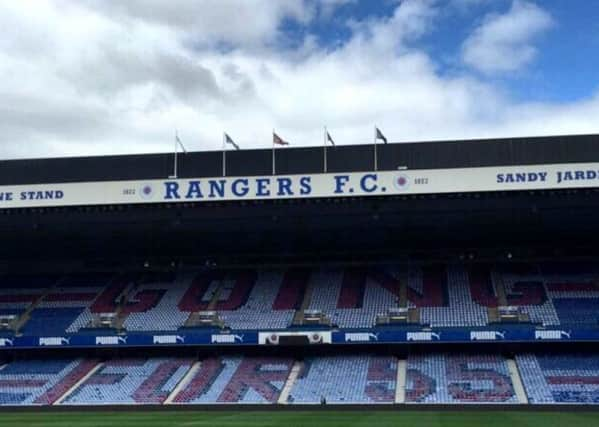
x=154, y=302
x=351, y=298
x=451, y=295
x=40, y=382
x=258, y=307
x=558, y=378
x=130, y=381
x=454, y=378
x=433, y=378
x=442, y=293
x=346, y=379
x=353, y=292
x=250, y=380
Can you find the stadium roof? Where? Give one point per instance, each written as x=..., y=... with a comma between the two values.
x=275, y=229
x=302, y=160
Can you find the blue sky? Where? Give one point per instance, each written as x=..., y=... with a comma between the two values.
x=107, y=76
x=565, y=69
x=566, y=66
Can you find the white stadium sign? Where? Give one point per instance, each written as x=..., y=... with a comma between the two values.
x=430, y=181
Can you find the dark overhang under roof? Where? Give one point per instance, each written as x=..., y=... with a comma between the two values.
x=355, y=227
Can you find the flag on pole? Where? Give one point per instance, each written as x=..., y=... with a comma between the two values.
x=277, y=140
x=379, y=135
x=230, y=141
x=178, y=141
x=178, y=144
x=327, y=139
x=330, y=139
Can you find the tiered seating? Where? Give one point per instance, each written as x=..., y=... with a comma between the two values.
x=16, y=312
x=40, y=382
x=445, y=295
x=154, y=302
x=444, y=378
x=244, y=299
x=65, y=308
x=427, y=290
x=433, y=378
x=573, y=291
x=560, y=378
x=292, y=291
x=130, y=381
x=258, y=312
x=457, y=295
x=252, y=380
x=552, y=294
x=92, y=293
x=352, y=298
x=17, y=293
x=51, y=321
x=346, y=379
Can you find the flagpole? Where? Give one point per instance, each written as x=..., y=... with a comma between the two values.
x=375, y=156
x=224, y=155
x=175, y=175
x=325, y=149
x=273, y=152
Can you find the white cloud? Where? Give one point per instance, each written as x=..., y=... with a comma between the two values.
x=504, y=43
x=328, y=7
x=410, y=20
x=465, y=4
x=240, y=22
x=96, y=80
